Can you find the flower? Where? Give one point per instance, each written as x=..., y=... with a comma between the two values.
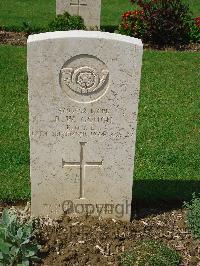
x=197, y=21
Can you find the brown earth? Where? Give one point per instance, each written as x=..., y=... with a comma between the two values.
x=13, y=38
x=96, y=242
x=92, y=241
x=20, y=38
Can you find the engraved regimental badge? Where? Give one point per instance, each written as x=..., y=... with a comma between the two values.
x=84, y=78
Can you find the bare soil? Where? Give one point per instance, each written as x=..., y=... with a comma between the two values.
x=13, y=38
x=93, y=241
x=87, y=240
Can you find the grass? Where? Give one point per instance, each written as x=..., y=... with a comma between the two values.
x=150, y=253
x=194, y=7
x=167, y=157
x=167, y=154
x=14, y=144
x=39, y=13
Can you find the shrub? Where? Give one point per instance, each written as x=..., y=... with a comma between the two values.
x=195, y=31
x=66, y=22
x=150, y=253
x=193, y=215
x=16, y=246
x=197, y=21
x=162, y=22
x=29, y=28
x=60, y=23
x=133, y=24
x=25, y=27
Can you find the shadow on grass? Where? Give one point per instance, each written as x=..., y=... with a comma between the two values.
x=159, y=196
x=109, y=28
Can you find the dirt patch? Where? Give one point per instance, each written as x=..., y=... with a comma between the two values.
x=13, y=38
x=4, y=205
x=92, y=241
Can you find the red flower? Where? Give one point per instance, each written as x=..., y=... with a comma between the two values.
x=197, y=21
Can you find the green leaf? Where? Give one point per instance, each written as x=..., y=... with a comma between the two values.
x=35, y=258
x=31, y=253
x=5, y=247
x=20, y=233
x=15, y=243
x=25, y=262
x=6, y=217
x=14, y=251
x=2, y=233
x=27, y=230
x=26, y=241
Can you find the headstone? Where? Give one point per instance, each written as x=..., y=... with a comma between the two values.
x=83, y=103
x=89, y=10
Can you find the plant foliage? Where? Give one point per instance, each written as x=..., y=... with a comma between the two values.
x=67, y=22
x=16, y=244
x=195, y=31
x=63, y=22
x=193, y=215
x=161, y=22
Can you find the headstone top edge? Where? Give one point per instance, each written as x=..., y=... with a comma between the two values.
x=83, y=34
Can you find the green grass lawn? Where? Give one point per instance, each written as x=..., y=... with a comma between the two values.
x=40, y=13
x=167, y=154
x=14, y=144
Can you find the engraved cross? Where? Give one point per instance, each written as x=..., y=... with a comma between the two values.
x=82, y=165
x=78, y=4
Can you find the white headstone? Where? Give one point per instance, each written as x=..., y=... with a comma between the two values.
x=83, y=101
x=89, y=10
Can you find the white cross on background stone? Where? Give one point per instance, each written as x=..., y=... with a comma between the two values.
x=78, y=3
x=82, y=165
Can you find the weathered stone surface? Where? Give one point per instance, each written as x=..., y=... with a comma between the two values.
x=89, y=10
x=83, y=101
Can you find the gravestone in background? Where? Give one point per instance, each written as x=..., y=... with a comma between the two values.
x=83, y=102
x=89, y=10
